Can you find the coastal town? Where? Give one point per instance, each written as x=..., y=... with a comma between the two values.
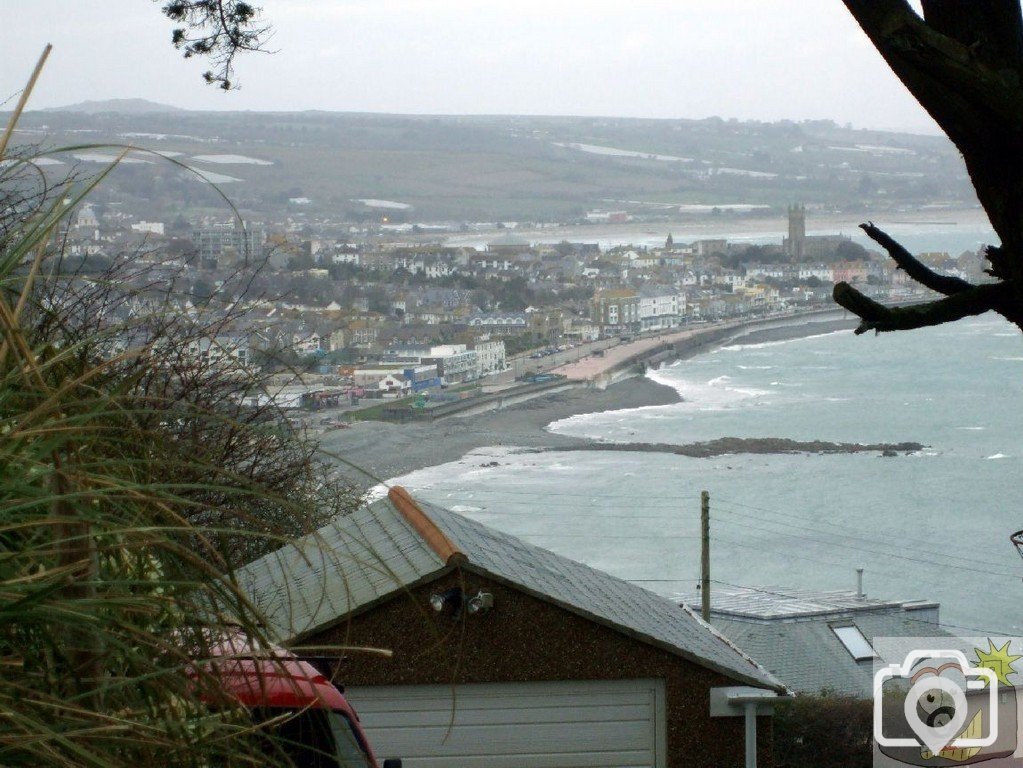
x=399, y=415
x=417, y=324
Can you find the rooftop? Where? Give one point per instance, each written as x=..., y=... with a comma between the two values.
x=774, y=604
x=816, y=640
x=383, y=549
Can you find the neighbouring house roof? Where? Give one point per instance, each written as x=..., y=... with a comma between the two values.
x=770, y=604
x=383, y=549
x=792, y=632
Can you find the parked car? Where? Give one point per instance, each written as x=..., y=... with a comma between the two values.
x=312, y=724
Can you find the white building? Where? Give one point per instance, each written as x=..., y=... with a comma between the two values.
x=371, y=377
x=431, y=266
x=490, y=357
x=224, y=351
x=148, y=227
x=821, y=271
x=306, y=344
x=86, y=217
x=345, y=257
x=500, y=322
x=774, y=271
x=394, y=385
x=661, y=309
x=456, y=362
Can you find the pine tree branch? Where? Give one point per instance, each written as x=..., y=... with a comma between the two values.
x=877, y=317
x=913, y=267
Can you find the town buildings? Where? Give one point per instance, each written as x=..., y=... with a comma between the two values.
x=227, y=246
x=343, y=299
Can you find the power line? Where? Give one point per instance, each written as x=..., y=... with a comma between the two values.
x=731, y=516
x=810, y=520
x=670, y=513
x=944, y=563
x=868, y=550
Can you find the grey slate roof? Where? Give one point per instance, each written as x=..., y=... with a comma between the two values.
x=346, y=565
x=790, y=632
x=359, y=560
x=771, y=604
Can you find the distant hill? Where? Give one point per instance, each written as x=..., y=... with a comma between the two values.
x=119, y=106
x=494, y=168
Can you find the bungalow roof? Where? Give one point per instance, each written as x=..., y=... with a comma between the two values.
x=387, y=547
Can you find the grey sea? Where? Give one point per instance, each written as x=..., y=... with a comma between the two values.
x=933, y=524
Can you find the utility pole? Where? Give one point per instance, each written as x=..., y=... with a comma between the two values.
x=705, y=555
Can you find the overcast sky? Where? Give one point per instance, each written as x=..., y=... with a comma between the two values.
x=759, y=59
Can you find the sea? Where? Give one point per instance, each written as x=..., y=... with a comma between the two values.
x=964, y=231
x=932, y=524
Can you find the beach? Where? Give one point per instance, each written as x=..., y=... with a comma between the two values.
x=370, y=452
x=752, y=227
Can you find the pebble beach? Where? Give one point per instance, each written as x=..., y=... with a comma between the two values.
x=372, y=452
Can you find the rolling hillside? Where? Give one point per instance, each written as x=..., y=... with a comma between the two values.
x=484, y=168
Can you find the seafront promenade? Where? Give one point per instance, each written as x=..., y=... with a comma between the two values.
x=592, y=367
x=678, y=342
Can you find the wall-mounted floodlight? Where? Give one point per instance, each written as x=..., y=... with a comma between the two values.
x=481, y=603
x=449, y=600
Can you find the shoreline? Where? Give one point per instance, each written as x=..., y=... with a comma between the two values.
x=759, y=226
x=385, y=451
x=371, y=452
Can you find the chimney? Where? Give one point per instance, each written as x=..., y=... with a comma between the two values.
x=859, y=583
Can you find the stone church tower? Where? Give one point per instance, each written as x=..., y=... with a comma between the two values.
x=795, y=242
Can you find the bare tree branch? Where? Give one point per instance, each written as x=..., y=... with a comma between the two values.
x=993, y=29
x=963, y=65
x=914, y=267
x=963, y=61
x=877, y=317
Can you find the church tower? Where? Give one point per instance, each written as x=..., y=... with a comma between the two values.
x=795, y=242
x=669, y=244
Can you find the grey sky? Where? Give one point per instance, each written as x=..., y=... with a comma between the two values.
x=761, y=59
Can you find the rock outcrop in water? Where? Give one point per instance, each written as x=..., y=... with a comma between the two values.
x=735, y=445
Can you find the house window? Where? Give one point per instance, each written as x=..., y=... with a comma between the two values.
x=854, y=641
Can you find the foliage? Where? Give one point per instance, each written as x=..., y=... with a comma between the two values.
x=217, y=30
x=131, y=482
x=824, y=731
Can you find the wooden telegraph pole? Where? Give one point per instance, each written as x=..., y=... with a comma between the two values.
x=705, y=555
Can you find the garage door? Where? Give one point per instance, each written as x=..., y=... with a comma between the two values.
x=580, y=724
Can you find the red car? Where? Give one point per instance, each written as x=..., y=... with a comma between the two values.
x=312, y=723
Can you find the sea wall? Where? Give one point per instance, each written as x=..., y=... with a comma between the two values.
x=752, y=332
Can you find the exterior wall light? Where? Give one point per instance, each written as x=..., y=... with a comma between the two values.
x=453, y=600
x=449, y=600
x=481, y=603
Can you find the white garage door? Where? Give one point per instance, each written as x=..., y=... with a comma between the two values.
x=517, y=725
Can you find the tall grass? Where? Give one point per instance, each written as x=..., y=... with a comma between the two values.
x=124, y=499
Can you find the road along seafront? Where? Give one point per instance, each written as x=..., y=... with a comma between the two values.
x=370, y=452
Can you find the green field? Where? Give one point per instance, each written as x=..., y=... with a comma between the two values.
x=487, y=168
